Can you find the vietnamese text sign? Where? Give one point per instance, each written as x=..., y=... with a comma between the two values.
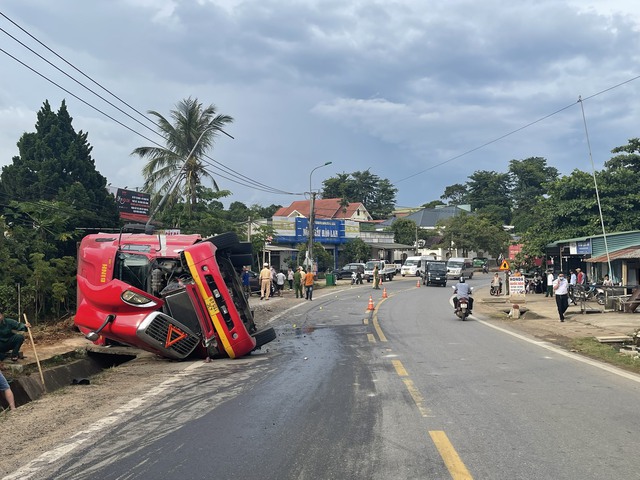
x=516, y=288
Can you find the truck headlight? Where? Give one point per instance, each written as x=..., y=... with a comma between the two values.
x=136, y=299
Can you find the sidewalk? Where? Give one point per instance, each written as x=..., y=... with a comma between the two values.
x=541, y=312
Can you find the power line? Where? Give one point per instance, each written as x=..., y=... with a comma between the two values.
x=515, y=131
x=240, y=179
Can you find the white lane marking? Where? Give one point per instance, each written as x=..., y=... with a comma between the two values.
x=602, y=366
x=46, y=459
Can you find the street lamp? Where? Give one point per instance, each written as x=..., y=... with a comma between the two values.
x=312, y=197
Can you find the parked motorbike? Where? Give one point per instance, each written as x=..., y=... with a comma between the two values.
x=589, y=294
x=496, y=290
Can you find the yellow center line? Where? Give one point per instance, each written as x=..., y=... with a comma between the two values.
x=452, y=460
x=397, y=364
x=417, y=397
x=371, y=337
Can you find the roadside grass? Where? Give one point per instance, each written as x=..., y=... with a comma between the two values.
x=608, y=353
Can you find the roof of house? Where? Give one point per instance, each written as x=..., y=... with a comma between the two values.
x=324, y=208
x=429, y=217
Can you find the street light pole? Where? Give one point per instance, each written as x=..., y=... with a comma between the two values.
x=312, y=198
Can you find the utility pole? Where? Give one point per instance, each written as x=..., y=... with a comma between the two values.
x=311, y=227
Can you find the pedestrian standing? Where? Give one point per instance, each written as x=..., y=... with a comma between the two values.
x=290, y=279
x=573, y=280
x=561, y=290
x=265, y=282
x=308, y=284
x=280, y=279
x=246, y=285
x=297, y=282
x=550, y=280
x=376, y=278
x=6, y=391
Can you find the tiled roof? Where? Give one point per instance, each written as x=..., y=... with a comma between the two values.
x=324, y=208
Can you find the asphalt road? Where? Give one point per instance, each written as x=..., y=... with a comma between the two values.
x=404, y=391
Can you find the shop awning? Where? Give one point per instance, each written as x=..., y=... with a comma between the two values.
x=628, y=253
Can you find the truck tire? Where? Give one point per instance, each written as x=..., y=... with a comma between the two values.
x=224, y=240
x=264, y=336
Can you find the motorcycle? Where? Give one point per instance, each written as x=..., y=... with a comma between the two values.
x=463, y=309
x=496, y=290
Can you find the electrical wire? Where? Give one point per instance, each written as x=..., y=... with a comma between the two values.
x=516, y=130
x=240, y=179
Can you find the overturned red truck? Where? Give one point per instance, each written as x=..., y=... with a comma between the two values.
x=177, y=296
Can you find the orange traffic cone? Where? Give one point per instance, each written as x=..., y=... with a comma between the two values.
x=384, y=293
x=418, y=284
x=370, y=307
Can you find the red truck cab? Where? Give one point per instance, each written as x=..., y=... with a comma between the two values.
x=173, y=295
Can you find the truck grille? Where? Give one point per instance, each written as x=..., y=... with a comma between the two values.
x=165, y=334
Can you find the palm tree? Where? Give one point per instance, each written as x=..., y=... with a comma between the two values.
x=193, y=131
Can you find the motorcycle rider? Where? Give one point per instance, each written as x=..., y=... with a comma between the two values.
x=462, y=290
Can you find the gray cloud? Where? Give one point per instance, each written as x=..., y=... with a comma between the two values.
x=399, y=88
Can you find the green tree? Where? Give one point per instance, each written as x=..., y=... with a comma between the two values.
x=194, y=128
x=627, y=158
x=488, y=193
x=474, y=232
x=376, y=194
x=356, y=250
x=433, y=204
x=323, y=258
x=405, y=231
x=456, y=194
x=55, y=173
x=529, y=180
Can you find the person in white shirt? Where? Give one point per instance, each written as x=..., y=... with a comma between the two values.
x=550, y=279
x=561, y=290
x=280, y=278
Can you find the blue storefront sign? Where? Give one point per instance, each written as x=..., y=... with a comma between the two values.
x=324, y=230
x=583, y=248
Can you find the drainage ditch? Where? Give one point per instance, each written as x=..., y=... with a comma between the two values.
x=72, y=368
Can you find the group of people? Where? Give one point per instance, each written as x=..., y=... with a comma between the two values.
x=296, y=280
x=565, y=290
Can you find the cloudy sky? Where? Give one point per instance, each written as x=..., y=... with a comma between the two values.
x=420, y=92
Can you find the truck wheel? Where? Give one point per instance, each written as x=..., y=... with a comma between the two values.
x=264, y=336
x=224, y=240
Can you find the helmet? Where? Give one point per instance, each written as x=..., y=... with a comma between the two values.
x=461, y=279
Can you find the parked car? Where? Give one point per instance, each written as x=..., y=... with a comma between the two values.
x=348, y=270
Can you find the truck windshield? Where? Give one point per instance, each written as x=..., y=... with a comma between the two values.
x=455, y=264
x=410, y=262
x=133, y=269
x=371, y=265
